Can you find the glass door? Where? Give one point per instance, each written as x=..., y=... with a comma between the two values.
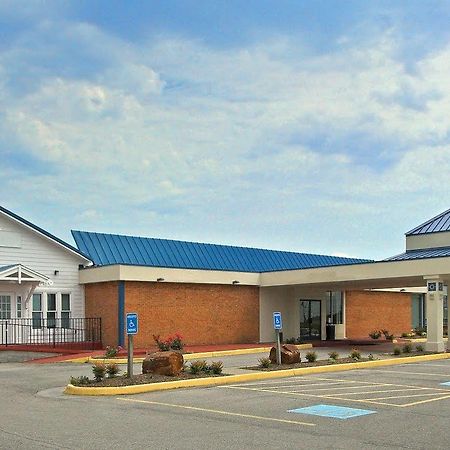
x=310, y=320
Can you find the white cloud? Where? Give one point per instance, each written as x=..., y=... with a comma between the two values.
x=216, y=138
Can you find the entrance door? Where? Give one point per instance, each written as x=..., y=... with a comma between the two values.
x=310, y=320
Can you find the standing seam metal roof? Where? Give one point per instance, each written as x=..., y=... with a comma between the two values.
x=435, y=225
x=421, y=254
x=107, y=249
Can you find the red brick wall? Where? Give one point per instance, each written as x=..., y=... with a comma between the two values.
x=202, y=313
x=102, y=301
x=368, y=310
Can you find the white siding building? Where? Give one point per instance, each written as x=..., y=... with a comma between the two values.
x=39, y=286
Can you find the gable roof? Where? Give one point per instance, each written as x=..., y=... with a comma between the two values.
x=44, y=233
x=108, y=249
x=21, y=273
x=435, y=225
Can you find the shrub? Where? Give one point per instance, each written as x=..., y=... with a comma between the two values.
x=174, y=342
x=355, y=355
x=79, y=381
x=419, y=348
x=177, y=342
x=264, y=363
x=333, y=355
x=216, y=367
x=198, y=366
x=111, y=352
x=397, y=351
x=375, y=334
x=290, y=340
x=407, y=348
x=404, y=335
x=112, y=370
x=163, y=345
x=99, y=371
x=387, y=335
x=311, y=356
x=370, y=357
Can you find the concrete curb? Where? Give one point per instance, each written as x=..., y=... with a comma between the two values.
x=187, y=356
x=142, y=388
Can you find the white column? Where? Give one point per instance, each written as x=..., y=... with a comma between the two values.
x=435, y=315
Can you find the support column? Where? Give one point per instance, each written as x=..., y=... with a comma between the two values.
x=435, y=315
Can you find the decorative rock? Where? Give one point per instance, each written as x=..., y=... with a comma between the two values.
x=163, y=363
x=289, y=354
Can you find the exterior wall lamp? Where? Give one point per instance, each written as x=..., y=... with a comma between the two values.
x=235, y=282
x=159, y=280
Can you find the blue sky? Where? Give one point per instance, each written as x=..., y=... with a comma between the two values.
x=318, y=126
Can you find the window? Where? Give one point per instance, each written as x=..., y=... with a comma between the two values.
x=51, y=310
x=65, y=310
x=37, y=311
x=335, y=308
x=5, y=307
x=19, y=307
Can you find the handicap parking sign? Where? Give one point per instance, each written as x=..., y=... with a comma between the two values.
x=132, y=323
x=277, y=323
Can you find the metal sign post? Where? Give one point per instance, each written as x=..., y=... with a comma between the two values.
x=278, y=325
x=132, y=329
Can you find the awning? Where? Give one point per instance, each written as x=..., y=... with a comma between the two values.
x=19, y=273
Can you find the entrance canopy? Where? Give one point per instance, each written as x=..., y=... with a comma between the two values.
x=17, y=273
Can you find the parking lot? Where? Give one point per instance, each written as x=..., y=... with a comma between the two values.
x=405, y=406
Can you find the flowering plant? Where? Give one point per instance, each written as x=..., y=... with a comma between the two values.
x=174, y=342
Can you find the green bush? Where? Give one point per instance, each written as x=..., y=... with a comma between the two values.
x=419, y=348
x=355, y=355
x=333, y=355
x=397, y=351
x=264, y=363
x=407, y=348
x=216, y=367
x=198, y=366
x=112, y=370
x=111, y=352
x=375, y=334
x=79, y=381
x=99, y=371
x=311, y=356
x=370, y=357
x=290, y=340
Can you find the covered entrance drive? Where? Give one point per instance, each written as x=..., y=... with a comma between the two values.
x=281, y=291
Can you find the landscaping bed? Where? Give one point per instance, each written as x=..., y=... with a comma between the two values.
x=145, y=379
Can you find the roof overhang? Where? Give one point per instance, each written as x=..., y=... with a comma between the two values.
x=384, y=274
x=17, y=273
x=120, y=272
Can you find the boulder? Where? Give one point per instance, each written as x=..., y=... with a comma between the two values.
x=289, y=354
x=163, y=363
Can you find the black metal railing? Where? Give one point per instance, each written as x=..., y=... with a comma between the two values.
x=76, y=333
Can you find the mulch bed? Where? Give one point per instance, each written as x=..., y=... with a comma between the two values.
x=338, y=361
x=146, y=379
x=306, y=364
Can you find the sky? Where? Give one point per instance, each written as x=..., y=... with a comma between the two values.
x=312, y=126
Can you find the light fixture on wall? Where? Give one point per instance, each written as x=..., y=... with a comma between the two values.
x=56, y=272
x=159, y=279
x=235, y=282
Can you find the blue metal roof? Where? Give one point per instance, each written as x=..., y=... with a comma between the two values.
x=42, y=231
x=421, y=254
x=106, y=249
x=439, y=223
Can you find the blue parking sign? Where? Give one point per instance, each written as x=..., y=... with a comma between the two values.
x=132, y=323
x=277, y=323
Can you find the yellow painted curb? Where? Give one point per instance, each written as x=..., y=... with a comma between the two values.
x=187, y=356
x=196, y=382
